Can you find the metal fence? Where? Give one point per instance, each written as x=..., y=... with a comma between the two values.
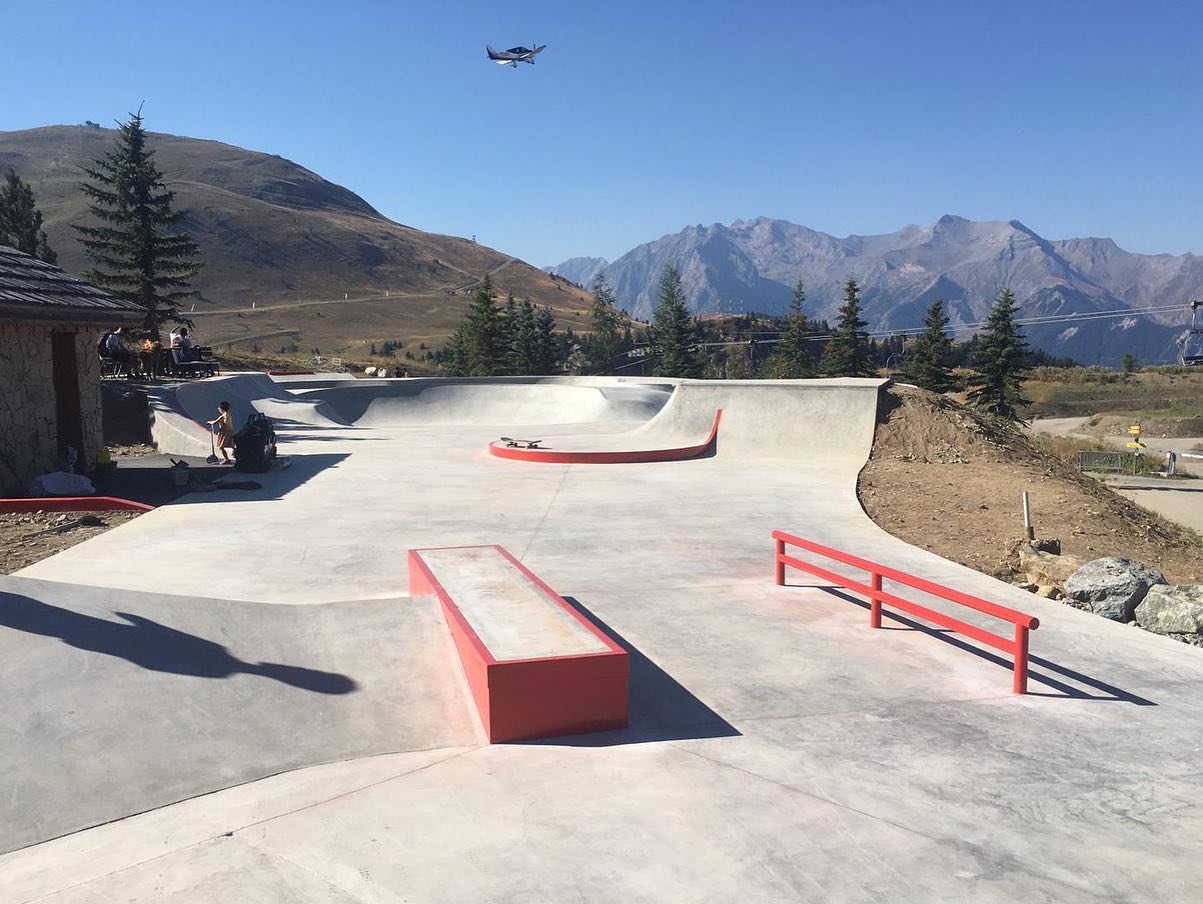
x=1115, y=462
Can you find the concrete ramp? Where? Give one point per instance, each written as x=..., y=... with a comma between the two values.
x=810, y=419
x=786, y=419
x=489, y=401
x=179, y=412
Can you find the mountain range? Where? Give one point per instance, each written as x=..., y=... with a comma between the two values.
x=753, y=265
x=281, y=245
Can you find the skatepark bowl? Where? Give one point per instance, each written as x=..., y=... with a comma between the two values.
x=235, y=697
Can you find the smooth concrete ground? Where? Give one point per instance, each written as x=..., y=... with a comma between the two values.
x=780, y=749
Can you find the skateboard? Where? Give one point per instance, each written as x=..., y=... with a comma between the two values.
x=521, y=443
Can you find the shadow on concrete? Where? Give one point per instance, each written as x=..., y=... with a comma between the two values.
x=1085, y=690
x=155, y=647
x=661, y=708
x=148, y=479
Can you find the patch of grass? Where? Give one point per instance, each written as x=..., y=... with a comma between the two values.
x=1151, y=392
x=1066, y=447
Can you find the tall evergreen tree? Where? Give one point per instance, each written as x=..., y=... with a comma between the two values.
x=1000, y=362
x=507, y=321
x=475, y=347
x=523, y=340
x=455, y=354
x=847, y=352
x=135, y=250
x=928, y=364
x=605, y=344
x=545, y=355
x=21, y=221
x=792, y=359
x=673, y=330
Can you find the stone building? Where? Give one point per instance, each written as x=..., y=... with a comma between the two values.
x=50, y=326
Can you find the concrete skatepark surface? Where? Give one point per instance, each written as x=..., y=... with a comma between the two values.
x=779, y=749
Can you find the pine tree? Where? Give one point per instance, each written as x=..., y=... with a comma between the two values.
x=847, y=352
x=475, y=347
x=21, y=221
x=135, y=250
x=792, y=359
x=607, y=321
x=1000, y=362
x=506, y=322
x=455, y=354
x=544, y=357
x=928, y=364
x=673, y=330
x=523, y=340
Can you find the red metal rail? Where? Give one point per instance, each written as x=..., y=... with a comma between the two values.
x=72, y=504
x=1017, y=646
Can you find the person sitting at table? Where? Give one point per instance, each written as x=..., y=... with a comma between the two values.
x=189, y=350
x=114, y=349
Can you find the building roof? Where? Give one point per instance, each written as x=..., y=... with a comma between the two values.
x=33, y=290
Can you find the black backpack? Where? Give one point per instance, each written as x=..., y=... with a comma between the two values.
x=255, y=444
x=102, y=345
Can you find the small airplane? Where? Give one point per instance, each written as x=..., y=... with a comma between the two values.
x=514, y=55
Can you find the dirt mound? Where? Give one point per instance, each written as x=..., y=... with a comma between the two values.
x=948, y=479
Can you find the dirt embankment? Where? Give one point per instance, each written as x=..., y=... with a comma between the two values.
x=949, y=480
x=26, y=538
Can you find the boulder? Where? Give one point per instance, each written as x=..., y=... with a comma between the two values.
x=1112, y=586
x=1172, y=609
x=1045, y=568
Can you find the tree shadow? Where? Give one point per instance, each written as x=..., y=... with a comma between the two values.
x=661, y=709
x=1107, y=692
x=155, y=647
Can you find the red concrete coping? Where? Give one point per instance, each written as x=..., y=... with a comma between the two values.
x=72, y=504
x=535, y=666
x=596, y=456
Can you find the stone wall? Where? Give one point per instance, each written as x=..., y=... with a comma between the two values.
x=28, y=423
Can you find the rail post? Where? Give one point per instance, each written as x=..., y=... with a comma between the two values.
x=780, y=563
x=875, y=600
x=1020, y=682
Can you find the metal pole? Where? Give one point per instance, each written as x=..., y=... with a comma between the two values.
x=1027, y=517
x=1020, y=683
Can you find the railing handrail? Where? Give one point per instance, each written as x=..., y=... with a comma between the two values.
x=915, y=582
x=1024, y=623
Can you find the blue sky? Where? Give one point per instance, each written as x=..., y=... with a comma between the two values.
x=1078, y=117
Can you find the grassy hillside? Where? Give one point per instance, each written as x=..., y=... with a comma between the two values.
x=279, y=238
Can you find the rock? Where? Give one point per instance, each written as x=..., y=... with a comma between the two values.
x=1046, y=568
x=1049, y=592
x=1172, y=609
x=1112, y=586
x=1049, y=544
x=1024, y=585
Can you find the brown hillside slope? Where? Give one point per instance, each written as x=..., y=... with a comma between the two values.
x=947, y=479
x=273, y=233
